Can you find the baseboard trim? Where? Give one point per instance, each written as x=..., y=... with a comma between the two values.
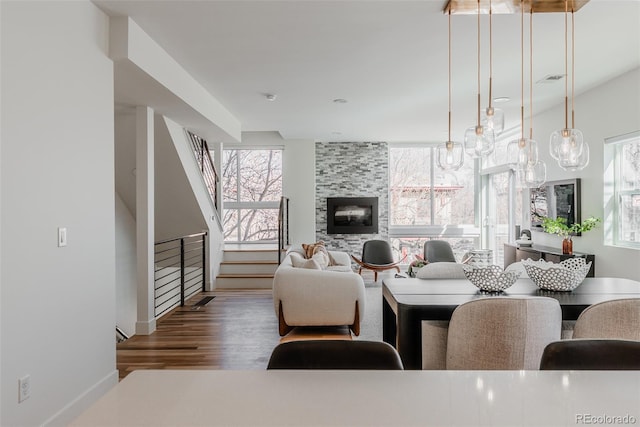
x=146, y=328
x=80, y=404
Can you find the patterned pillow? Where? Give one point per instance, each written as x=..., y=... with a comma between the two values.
x=311, y=249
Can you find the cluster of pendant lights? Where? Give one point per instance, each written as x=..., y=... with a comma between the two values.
x=566, y=145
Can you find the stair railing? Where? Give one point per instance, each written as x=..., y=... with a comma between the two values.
x=205, y=163
x=283, y=226
x=180, y=270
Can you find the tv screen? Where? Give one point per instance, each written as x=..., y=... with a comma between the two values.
x=352, y=215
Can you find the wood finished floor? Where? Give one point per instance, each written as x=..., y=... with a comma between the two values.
x=236, y=330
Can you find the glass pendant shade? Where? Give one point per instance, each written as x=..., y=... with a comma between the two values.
x=535, y=174
x=493, y=118
x=521, y=152
x=565, y=145
x=479, y=141
x=575, y=163
x=450, y=155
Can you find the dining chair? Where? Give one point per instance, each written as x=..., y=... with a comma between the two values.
x=615, y=319
x=335, y=354
x=377, y=256
x=502, y=333
x=438, y=251
x=591, y=354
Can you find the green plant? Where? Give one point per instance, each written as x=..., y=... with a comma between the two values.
x=559, y=226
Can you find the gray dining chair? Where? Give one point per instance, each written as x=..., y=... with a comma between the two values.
x=335, y=354
x=438, y=251
x=615, y=319
x=502, y=333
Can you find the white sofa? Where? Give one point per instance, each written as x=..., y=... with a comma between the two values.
x=309, y=297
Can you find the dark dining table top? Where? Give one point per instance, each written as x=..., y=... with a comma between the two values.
x=411, y=291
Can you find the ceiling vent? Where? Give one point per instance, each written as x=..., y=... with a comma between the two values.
x=551, y=78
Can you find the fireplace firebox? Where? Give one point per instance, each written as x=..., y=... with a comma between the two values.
x=352, y=215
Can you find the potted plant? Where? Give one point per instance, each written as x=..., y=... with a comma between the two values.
x=416, y=265
x=559, y=226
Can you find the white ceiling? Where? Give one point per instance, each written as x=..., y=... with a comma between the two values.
x=387, y=58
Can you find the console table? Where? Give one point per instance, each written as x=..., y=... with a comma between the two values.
x=514, y=253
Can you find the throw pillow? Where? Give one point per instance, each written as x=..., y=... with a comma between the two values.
x=311, y=264
x=311, y=249
x=322, y=258
x=297, y=260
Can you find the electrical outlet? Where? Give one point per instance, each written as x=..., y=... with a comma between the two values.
x=24, y=388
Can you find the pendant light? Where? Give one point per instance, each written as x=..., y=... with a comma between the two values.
x=450, y=155
x=567, y=145
x=479, y=141
x=493, y=118
x=522, y=153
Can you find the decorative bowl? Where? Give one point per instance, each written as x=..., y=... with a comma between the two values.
x=491, y=278
x=565, y=276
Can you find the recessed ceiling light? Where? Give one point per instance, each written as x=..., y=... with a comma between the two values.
x=340, y=101
x=501, y=99
x=270, y=96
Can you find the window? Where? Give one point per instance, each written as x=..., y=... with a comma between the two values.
x=622, y=190
x=251, y=187
x=426, y=202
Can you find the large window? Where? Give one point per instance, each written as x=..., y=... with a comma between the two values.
x=426, y=202
x=622, y=190
x=251, y=187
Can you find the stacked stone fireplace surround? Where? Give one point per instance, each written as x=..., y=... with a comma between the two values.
x=351, y=169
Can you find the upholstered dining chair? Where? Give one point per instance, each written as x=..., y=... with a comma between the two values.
x=615, y=319
x=591, y=354
x=335, y=354
x=377, y=256
x=502, y=333
x=438, y=251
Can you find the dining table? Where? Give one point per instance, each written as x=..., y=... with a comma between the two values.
x=406, y=302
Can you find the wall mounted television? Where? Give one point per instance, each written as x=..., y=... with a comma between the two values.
x=555, y=199
x=352, y=215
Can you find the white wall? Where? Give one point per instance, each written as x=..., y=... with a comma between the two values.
x=298, y=180
x=58, y=304
x=198, y=194
x=608, y=110
x=126, y=280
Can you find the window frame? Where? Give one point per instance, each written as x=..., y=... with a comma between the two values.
x=612, y=192
x=432, y=231
x=239, y=206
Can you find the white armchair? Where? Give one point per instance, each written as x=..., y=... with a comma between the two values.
x=309, y=297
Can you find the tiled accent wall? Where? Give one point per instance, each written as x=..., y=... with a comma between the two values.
x=351, y=169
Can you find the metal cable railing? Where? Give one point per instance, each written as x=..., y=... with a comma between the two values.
x=283, y=226
x=205, y=162
x=180, y=270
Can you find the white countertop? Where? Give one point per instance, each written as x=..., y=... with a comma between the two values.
x=368, y=398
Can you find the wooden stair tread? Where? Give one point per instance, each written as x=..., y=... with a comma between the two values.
x=245, y=276
x=249, y=262
x=250, y=250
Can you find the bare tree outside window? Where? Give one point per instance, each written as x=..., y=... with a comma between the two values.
x=428, y=203
x=252, y=187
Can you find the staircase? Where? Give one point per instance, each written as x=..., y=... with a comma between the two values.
x=247, y=268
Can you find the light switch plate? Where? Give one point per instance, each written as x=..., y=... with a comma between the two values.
x=62, y=237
